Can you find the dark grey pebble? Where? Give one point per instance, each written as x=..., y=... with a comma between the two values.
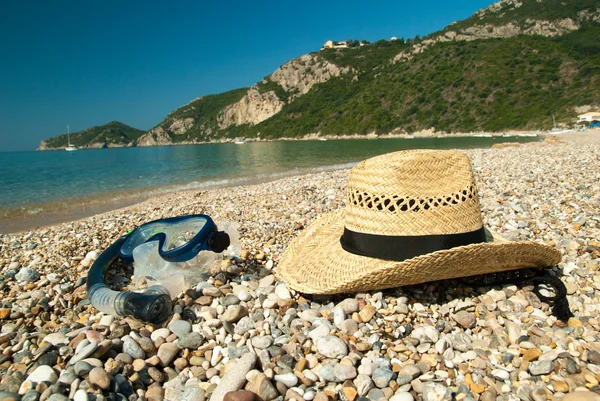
x=82, y=368
x=507, y=357
x=230, y=300
x=49, y=359
x=594, y=357
x=572, y=366
x=31, y=395
x=228, y=327
x=121, y=385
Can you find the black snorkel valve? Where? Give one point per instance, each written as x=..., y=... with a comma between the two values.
x=153, y=306
x=218, y=242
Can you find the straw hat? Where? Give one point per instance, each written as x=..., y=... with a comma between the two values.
x=410, y=217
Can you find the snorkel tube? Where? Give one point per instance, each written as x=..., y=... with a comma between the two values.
x=153, y=306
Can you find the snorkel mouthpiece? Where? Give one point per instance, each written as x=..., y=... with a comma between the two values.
x=149, y=307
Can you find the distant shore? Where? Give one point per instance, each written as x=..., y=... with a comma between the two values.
x=430, y=133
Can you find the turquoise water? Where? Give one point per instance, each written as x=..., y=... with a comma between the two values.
x=39, y=185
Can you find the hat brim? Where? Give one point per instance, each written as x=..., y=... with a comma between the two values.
x=315, y=263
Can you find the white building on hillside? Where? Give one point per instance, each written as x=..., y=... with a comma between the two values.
x=588, y=117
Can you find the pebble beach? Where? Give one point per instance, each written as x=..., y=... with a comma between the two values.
x=242, y=335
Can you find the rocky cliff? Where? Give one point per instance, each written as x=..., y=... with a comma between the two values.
x=252, y=109
x=201, y=120
x=295, y=78
x=155, y=137
x=299, y=75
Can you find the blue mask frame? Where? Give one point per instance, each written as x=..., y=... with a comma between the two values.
x=206, y=237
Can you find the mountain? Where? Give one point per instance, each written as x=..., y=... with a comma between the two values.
x=509, y=66
x=111, y=135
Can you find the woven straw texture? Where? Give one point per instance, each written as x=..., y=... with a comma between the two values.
x=444, y=201
x=415, y=192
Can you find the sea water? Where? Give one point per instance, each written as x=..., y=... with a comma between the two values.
x=38, y=188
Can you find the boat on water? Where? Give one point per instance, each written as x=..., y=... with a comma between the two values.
x=483, y=135
x=240, y=142
x=70, y=147
x=558, y=131
x=533, y=134
x=322, y=139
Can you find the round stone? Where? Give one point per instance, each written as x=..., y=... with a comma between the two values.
x=81, y=395
x=235, y=378
x=382, y=376
x=99, y=378
x=402, y=396
x=262, y=342
x=466, y=319
x=348, y=326
x=331, y=347
x=433, y=391
x=244, y=295
x=410, y=370
x=57, y=338
x=344, y=372
x=500, y=374
x=180, y=327
x=43, y=373
x=191, y=340
x=282, y=292
x=27, y=275
x=289, y=379
x=133, y=349
x=425, y=334
x=234, y=313
x=363, y=384
x=158, y=333
x=166, y=353
x=82, y=368
x=541, y=367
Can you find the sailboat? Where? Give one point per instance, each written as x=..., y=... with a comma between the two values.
x=69, y=147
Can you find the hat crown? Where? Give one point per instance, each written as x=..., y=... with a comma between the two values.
x=413, y=192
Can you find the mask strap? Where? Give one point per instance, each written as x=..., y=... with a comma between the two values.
x=540, y=278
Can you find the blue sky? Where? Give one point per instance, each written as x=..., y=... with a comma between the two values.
x=86, y=63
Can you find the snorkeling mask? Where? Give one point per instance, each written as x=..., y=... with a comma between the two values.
x=179, y=239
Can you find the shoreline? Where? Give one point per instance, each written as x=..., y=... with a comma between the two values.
x=18, y=225
x=28, y=216
x=104, y=203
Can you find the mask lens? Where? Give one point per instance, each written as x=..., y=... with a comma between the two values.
x=180, y=233
x=177, y=234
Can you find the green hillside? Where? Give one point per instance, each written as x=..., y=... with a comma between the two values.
x=112, y=134
x=492, y=84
